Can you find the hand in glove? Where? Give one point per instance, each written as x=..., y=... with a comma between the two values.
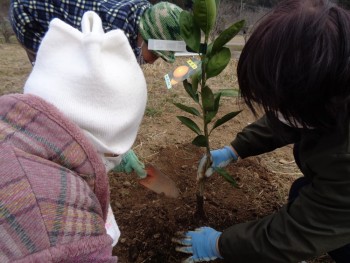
x=201, y=243
x=130, y=163
x=220, y=158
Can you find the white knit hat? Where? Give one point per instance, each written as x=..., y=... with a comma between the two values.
x=94, y=79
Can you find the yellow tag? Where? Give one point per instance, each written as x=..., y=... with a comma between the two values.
x=192, y=64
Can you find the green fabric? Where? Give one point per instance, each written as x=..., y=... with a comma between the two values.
x=161, y=21
x=130, y=163
x=318, y=220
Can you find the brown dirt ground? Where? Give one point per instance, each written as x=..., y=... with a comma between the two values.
x=148, y=221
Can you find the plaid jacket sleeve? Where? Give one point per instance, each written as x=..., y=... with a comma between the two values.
x=30, y=18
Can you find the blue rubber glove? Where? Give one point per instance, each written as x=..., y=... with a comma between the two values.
x=130, y=163
x=220, y=158
x=201, y=243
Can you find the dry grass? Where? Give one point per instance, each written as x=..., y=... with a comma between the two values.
x=14, y=68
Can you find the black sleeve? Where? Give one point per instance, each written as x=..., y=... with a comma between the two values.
x=264, y=136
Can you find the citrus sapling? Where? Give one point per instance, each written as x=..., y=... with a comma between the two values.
x=214, y=57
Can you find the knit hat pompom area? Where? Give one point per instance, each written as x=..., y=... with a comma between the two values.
x=93, y=78
x=161, y=21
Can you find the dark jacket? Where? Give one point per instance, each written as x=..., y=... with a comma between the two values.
x=54, y=192
x=318, y=220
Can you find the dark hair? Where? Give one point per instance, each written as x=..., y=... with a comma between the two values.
x=297, y=64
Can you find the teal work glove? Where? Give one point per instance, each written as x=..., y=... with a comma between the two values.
x=130, y=163
x=201, y=243
x=220, y=158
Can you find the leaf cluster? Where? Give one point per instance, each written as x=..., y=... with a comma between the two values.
x=215, y=57
x=195, y=26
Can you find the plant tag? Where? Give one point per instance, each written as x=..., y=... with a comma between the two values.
x=166, y=45
x=181, y=72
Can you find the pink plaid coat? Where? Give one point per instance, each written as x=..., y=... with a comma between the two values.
x=54, y=191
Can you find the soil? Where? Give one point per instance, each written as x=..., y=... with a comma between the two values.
x=147, y=220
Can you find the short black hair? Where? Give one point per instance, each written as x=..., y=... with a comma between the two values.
x=296, y=63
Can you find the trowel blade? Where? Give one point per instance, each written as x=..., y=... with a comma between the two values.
x=159, y=182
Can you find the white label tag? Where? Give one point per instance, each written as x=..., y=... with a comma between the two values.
x=167, y=45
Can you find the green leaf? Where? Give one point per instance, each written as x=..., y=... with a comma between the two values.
x=190, y=91
x=217, y=97
x=218, y=62
x=209, y=48
x=224, y=119
x=226, y=176
x=204, y=12
x=229, y=92
x=195, y=78
x=190, y=124
x=227, y=35
x=207, y=98
x=188, y=109
x=200, y=141
x=189, y=31
x=211, y=114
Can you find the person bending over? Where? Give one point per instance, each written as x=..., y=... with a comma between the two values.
x=296, y=67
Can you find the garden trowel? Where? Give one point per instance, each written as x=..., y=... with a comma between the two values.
x=160, y=183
